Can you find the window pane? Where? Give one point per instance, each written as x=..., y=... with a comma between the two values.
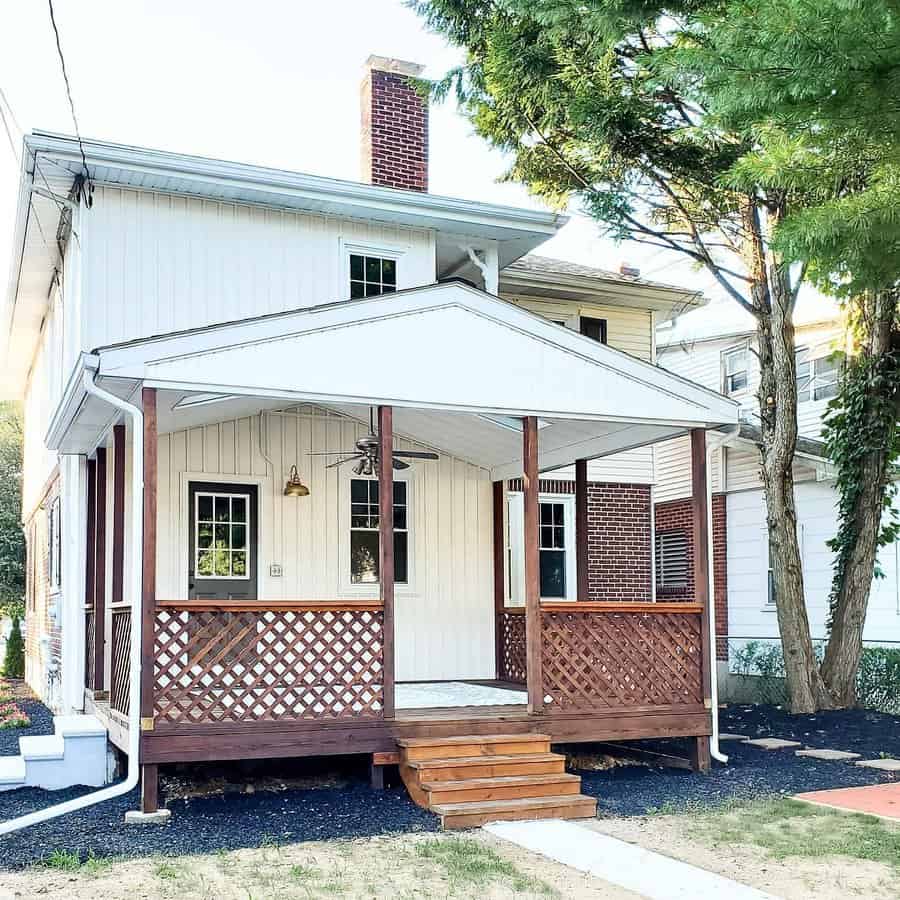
x=205, y=563
x=400, y=517
x=222, y=509
x=239, y=563
x=360, y=518
x=389, y=271
x=373, y=289
x=400, y=493
x=738, y=381
x=559, y=537
x=205, y=508
x=372, y=487
x=356, y=267
x=204, y=536
x=553, y=573
x=373, y=269
x=222, y=563
x=357, y=290
x=401, y=560
x=363, y=557
x=388, y=289
x=546, y=514
x=359, y=491
x=558, y=513
x=221, y=536
x=238, y=509
x=238, y=537
x=546, y=535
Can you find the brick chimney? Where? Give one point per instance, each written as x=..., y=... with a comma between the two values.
x=394, y=126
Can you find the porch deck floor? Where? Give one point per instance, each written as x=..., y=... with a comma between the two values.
x=456, y=694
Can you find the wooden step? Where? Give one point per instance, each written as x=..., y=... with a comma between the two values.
x=472, y=815
x=510, y=787
x=474, y=745
x=463, y=767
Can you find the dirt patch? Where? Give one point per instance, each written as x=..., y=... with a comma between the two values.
x=19, y=690
x=792, y=877
x=473, y=865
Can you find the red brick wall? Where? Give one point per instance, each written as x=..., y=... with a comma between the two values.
x=675, y=515
x=394, y=132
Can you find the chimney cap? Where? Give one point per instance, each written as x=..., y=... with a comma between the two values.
x=397, y=66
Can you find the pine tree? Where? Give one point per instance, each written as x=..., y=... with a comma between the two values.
x=14, y=661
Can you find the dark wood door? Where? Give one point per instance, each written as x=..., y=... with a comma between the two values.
x=223, y=550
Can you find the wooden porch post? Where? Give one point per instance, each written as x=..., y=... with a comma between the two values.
x=90, y=558
x=581, y=529
x=149, y=793
x=700, y=543
x=499, y=576
x=100, y=575
x=386, y=547
x=532, y=565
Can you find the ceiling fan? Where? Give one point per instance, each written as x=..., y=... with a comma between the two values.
x=366, y=454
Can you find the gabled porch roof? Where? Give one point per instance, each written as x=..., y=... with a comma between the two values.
x=432, y=353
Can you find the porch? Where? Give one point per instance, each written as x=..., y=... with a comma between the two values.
x=236, y=678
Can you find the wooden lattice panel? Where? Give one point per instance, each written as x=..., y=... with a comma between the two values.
x=511, y=627
x=218, y=665
x=120, y=661
x=610, y=660
x=89, y=658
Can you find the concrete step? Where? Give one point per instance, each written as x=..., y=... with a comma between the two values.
x=473, y=815
x=42, y=748
x=510, y=787
x=12, y=772
x=464, y=767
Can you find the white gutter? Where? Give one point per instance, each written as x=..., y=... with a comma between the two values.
x=711, y=447
x=134, y=714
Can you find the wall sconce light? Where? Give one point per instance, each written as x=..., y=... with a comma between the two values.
x=294, y=487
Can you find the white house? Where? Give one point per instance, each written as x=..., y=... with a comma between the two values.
x=283, y=444
x=715, y=348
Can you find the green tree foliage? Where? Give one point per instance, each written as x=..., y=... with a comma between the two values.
x=12, y=541
x=14, y=661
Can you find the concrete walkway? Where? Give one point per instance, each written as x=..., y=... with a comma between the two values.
x=648, y=874
x=876, y=799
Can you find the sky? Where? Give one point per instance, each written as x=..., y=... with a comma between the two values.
x=271, y=82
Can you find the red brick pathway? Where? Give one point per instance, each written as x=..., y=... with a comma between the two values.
x=876, y=799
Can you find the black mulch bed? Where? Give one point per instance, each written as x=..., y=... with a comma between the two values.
x=41, y=723
x=234, y=820
x=752, y=772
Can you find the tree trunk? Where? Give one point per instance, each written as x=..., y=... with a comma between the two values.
x=851, y=598
x=778, y=421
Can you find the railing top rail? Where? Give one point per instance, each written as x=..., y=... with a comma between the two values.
x=272, y=605
x=613, y=606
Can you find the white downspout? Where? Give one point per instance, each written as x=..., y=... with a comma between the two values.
x=134, y=714
x=711, y=447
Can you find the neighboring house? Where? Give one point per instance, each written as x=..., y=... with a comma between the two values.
x=201, y=344
x=715, y=348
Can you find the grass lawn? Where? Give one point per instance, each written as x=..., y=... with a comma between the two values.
x=474, y=865
x=779, y=845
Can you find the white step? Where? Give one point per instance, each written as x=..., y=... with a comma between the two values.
x=74, y=754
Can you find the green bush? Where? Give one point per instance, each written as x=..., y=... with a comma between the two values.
x=14, y=663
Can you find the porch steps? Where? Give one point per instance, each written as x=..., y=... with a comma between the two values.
x=472, y=779
x=74, y=754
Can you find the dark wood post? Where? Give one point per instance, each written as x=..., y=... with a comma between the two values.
x=581, y=529
x=118, y=523
x=700, y=545
x=532, y=565
x=147, y=611
x=499, y=577
x=100, y=576
x=90, y=559
x=386, y=547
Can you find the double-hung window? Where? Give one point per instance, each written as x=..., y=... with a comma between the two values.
x=553, y=549
x=734, y=370
x=817, y=378
x=364, y=517
x=371, y=275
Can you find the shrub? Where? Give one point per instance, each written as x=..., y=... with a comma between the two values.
x=14, y=663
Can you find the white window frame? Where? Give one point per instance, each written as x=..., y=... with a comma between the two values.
x=515, y=539
x=248, y=525
x=383, y=251
x=351, y=528
x=731, y=352
x=54, y=546
x=808, y=394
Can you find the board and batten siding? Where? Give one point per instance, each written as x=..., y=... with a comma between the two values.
x=156, y=263
x=629, y=329
x=444, y=617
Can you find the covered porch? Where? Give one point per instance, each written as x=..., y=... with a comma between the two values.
x=312, y=662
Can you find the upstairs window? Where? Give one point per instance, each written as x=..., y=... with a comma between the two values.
x=593, y=328
x=817, y=379
x=371, y=275
x=734, y=370
x=671, y=561
x=364, y=516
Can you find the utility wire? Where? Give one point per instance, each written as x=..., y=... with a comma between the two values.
x=62, y=63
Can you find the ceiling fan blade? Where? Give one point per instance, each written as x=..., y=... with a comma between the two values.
x=399, y=464
x=346, y=459
x=416, y=454
x=328, y=453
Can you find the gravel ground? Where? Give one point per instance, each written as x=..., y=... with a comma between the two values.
x=752, y=772
x=41, y=723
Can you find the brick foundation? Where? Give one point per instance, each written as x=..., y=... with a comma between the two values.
x=675, y=515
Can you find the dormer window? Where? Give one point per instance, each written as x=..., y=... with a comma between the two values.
x=734, y=370
x=371, y=275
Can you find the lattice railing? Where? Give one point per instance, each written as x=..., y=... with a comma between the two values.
x=596, y=657
x=255, y=661
x=120, y=660
x=511, y=631
x=90, y=658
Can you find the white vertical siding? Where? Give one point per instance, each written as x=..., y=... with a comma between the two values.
x=157, y=263
x=444, y=617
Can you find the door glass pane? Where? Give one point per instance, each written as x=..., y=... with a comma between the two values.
x=204, y=536
x=222, y=563
x=204, y=508
x=222, y=509
x=238, y=509
x=205, y=562
x=239, y=562
x=553, y=573
x=221, y=537
x=238, y=537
